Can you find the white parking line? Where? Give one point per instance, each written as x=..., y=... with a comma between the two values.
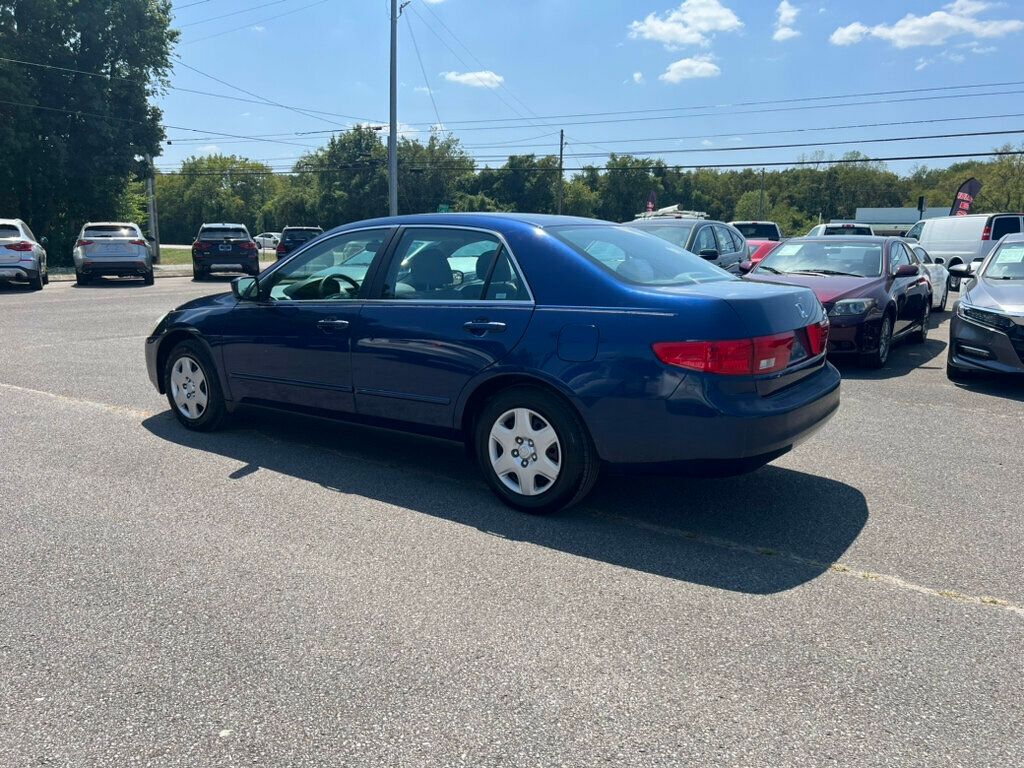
x=690, y=536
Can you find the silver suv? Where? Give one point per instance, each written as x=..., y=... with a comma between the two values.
x=112, y=248
x=22, y=257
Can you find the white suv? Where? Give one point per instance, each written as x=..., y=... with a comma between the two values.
x=22, y=257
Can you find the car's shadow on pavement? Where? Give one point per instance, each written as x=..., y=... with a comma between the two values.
x=1007, y=387
x=904, y=357
x=110, y=282
x=760, y=533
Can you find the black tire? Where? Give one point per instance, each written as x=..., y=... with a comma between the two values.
x=954, y=282
x=80, y=278
x=214, y=415
x=148, y=278
x=46, y=277
x=945, y=298
x=920, y=336
x=35, y=283
x=577, y=458
x=880, y=356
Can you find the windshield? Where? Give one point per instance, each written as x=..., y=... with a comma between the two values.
x=677, y=234
x=824, y=259
x=758, y=231
x=111, y=230
x=1007, y=263
x=223, y=233
x=847, y=230
x=637, y=257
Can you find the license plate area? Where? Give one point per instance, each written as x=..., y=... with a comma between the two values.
x=224, y=247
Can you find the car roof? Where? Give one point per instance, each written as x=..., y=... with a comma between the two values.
x=221, y=224
x=754, y=221
x=488, y=220
x=856, y=239
x=16, y=222
x=1014, y=237
x=673, y=220
x=110, y=224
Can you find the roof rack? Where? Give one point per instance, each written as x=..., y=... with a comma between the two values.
x=672, y=212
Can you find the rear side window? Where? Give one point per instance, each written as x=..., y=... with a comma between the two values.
x=1005, y=225
x=636, y=257
x=223, y=233
x=922, y=254
x=676, y=234
x=9, y=230
x=111, y=230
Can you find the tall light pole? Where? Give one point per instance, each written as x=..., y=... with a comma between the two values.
x=393, y=133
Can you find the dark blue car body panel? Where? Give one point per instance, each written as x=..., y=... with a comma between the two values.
x=585, y=334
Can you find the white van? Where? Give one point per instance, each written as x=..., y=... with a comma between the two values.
x=954, y=240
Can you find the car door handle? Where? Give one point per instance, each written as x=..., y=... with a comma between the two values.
x=483, y=326
x=332, y=325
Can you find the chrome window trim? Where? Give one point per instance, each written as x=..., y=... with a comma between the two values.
x=531, y=301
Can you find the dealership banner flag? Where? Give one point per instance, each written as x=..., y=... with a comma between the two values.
x=965, y=197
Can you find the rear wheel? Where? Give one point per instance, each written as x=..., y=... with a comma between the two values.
x=46, y=277
x=880, y=356
x=534, y=450
x=35, y=282
x=193, y=390
x=198, y=273
x=945, y=298
x=954, y=282
x=81, y=278
x=921, y=336
x=148, y=277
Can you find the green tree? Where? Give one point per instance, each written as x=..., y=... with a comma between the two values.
x=69, y=143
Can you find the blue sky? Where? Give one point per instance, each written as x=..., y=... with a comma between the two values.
x=663, y=69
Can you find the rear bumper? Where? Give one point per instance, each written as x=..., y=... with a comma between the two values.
x=975, y=347
x=119, y=267
x=227, y=263
x=708, y=419
x=18, y=272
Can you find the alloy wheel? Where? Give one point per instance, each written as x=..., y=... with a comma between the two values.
x=885, y=340
x=525, y=452
x=189, y=388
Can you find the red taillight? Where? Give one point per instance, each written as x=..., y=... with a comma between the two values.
x=740, y=357
x=137, y=242
x=199, y=245
x=817, y=337
x=81, y=243
x=280, y=248
x=22, y=246
x=986, y=233
x=250, y=246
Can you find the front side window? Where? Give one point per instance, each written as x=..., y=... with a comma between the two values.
x=705, y=240
x=823, y=258
x=725, y=244
x=332, y=270
x=915, y=231
x=452, y=265
x=634, y=256
x=1007, y=263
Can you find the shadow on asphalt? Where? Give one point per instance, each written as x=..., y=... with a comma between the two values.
x=761, y=533
x=1008, y=387
x=111, y=282
x=905, y=356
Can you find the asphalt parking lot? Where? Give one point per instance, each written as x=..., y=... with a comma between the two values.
x=291, y=592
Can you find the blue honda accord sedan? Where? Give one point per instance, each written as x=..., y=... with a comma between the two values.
x=551, y=345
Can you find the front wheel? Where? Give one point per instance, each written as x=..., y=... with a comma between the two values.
x=534, y=451
x=192, y=387
x=880, y=356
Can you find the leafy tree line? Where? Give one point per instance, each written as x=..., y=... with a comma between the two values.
x=70, y=143
x=347, y=180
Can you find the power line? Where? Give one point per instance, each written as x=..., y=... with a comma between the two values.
x=232, y=13
x=426, y=82
x=253, y=23
x=701, y=166
x=189, y=5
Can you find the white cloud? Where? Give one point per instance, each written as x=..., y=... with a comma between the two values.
x=692, y=23
x=258, y=28
x=482, y=79
x=638, y=78
x=707, y=143
x=208, y=149
x=957, y=18
x=689, y=69
x=421, y=89
x=785, y=15
x=434, y=2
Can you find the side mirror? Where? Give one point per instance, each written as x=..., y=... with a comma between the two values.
x=245, y=288
x=709, y=253
x=961, y=270
x=44, y=240
x=907, y=270
x=745, y=266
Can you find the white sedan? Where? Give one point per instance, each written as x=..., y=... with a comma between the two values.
x=268, y=239
x=937, y=275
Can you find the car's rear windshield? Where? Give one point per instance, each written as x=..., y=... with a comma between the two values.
x=638, y=257
x=842, y=230
x=301, y=235
x=758, y=231
x=223, y=233
x=825, y=259
x=111, y=230
x=677, y=234
x=1007, y=263
x=9, y=230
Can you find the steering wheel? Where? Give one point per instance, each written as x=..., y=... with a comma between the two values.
x=337, y=288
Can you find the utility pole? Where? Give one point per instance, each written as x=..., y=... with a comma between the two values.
x=154, y=216
x=393, y=133
x=561, y=170
x=760, y=205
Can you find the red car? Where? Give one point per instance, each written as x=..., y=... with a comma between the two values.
x=873, y=289
x=758, y=249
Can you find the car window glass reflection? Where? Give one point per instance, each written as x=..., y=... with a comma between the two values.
x=332, y=270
